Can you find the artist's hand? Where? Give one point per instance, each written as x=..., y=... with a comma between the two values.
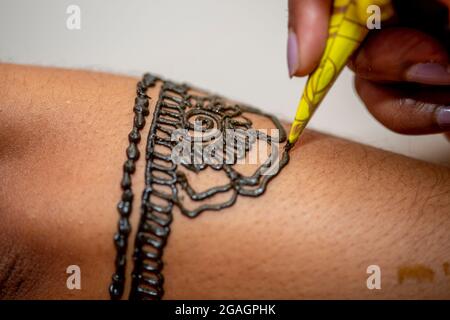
x=402, y=71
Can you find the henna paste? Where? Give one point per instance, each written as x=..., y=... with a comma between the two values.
x=418, y=272
x=446, y=267
x=125, y=204
x=176, y=107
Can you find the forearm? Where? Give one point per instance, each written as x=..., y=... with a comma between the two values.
x=337, y=208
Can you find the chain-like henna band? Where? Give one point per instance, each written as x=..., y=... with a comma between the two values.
x=175, y=109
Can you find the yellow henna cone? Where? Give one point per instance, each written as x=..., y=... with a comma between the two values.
x=347, y=29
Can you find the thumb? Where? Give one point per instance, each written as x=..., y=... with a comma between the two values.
x=308, y=32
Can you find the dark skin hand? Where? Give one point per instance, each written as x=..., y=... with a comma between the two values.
x=402, y=71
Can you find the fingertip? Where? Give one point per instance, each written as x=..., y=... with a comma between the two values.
x=406, y=110
x=447, y=135
x=308, y=32
x=401, y=55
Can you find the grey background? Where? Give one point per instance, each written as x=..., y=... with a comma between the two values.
x=233, y=47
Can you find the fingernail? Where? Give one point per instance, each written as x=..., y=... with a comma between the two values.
x=292, y=53
x=443, y=117
x=429, y=73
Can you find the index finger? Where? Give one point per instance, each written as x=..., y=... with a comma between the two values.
x=308, y=32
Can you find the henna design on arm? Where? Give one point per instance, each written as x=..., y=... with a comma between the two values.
x=178, y=107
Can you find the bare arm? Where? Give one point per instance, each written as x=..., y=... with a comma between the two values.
x=337, y=208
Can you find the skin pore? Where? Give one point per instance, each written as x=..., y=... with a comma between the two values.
x=337, y=208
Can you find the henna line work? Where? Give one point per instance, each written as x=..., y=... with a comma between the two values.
x=175, y=107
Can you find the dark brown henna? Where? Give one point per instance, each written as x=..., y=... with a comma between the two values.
x=125, y=204
x=164, y=179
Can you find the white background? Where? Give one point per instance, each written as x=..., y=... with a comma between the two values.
x=234, y=47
